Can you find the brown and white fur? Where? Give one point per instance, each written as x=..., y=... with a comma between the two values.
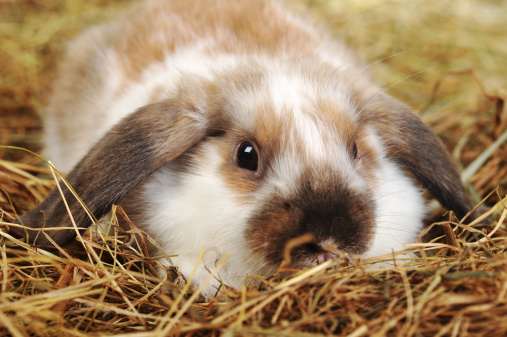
x=150, y=110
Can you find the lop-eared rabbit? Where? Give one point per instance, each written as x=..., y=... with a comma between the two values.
x=237, y=126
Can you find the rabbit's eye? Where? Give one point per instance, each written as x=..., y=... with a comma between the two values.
x=247, y=157
x=355, y=155
x=354, y=151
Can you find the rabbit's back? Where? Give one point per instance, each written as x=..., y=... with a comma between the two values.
x=114, y=68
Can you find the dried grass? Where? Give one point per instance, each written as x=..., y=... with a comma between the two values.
x=108, y=285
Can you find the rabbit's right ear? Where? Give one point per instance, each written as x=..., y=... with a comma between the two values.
x=123, y=158
x=415, y=148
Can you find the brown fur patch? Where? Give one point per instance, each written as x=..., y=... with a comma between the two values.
x=332, y=214
x=238, y=27
x=333, y=113
x=271, y=131
x=368, y=158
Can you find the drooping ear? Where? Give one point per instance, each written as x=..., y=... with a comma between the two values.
x=123, y=158
x=415, y=147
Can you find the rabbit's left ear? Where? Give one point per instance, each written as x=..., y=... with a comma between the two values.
x=123, y=158
x=414, y=147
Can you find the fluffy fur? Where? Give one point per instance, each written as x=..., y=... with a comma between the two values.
x=150, y=110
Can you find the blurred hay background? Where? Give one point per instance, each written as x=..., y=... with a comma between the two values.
x=445, y=58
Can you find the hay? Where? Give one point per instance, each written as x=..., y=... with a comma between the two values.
x=108, y=285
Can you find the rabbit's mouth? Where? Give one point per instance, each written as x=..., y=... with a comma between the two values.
x=323, y=256
x=312, y=254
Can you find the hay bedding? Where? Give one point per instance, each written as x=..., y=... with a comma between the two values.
x=108, y=285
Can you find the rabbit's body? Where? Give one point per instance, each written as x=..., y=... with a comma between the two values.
x=253, y=127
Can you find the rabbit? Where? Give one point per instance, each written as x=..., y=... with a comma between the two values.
x=237, y=126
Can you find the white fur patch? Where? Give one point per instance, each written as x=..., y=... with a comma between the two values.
x=400, y=206
x=189, y=212
x=400, y=209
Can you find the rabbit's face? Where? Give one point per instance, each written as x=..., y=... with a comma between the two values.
x=291, y=155
x=309, y=174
